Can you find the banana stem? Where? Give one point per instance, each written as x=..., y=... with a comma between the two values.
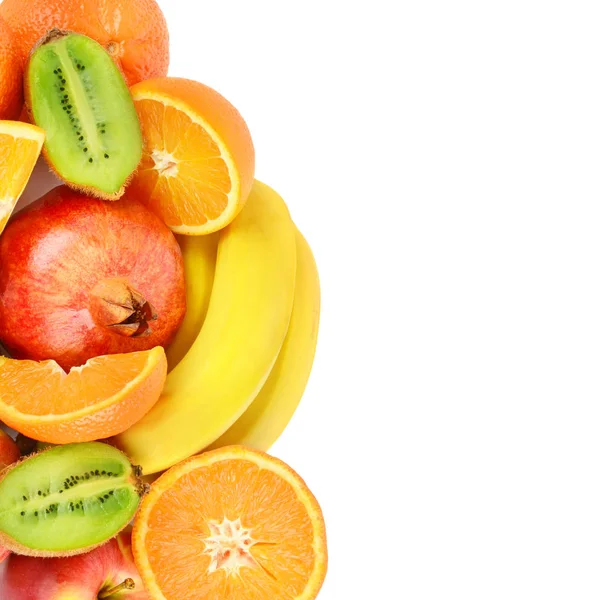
x=128, y=584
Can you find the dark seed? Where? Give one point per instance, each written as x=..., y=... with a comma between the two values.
x=55, y=71
x=62, y=89
x=69, y=106
x=91, y=160
x=24, y=497
x=106, y=496
x=63, y=81
x=39, y=493
x=60, y=491
x=106, y=156
x=103, y=131
x=101, y=500
x=35, y=513
x=96, y=472
x=59, y=70
x=103, y=472
x=110, y=474
x=22, y=513
x=111, y=492
x=77, y=477
x=81, y=138
x=87, y=475
x=85, y=149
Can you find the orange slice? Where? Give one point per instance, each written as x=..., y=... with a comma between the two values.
x=198, y=163
x=100, y=399
x=20, y=147
x=234, y=524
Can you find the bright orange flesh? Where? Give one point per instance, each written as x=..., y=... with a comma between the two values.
x=234, y=523
x=20, y=147
x=100, y=399
x=198, y=162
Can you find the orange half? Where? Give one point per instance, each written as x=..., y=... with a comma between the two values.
x=98, y=400
x=20, y=147
x=198, y=162
x=233, y=523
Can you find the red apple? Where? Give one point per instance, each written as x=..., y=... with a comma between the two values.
x=9, y=452
x=81, y=277
x=95, y=575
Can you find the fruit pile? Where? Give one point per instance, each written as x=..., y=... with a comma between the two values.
x=159, y=311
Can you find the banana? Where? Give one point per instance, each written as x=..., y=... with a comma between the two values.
x=271, y=411
x=247, y=320
x=199, y=257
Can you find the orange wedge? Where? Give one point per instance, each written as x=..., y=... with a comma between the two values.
x=100, y=399
x=20, y=147
x=234, y=524
x=198, y=163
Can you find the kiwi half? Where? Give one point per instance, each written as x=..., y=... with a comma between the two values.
x=68, y=499
x=77, y=94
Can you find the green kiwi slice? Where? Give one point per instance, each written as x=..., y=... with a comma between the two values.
x=76, y=93
x=67, y=499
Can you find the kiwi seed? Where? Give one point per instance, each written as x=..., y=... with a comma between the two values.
x=41, y=495
x=92, y=100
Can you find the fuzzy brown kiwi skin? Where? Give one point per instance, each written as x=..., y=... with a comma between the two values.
x=56, y=34
x=9, y=543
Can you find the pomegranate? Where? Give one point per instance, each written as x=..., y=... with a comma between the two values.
x=81, y=277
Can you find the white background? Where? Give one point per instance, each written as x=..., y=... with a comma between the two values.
x=442, y=158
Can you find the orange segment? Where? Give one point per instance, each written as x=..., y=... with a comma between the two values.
x=20, y=147
x=233, y=523
x=198, y=163
x=100, y=399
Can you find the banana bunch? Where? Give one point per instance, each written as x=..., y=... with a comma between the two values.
x=242, y=357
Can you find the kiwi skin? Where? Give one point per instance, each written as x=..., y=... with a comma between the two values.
x=55, y=34
x=13, y=545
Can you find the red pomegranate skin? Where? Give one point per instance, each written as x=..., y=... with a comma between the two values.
x=55, y=252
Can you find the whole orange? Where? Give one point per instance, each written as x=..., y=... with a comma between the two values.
x=11, y=75
x=134, y=32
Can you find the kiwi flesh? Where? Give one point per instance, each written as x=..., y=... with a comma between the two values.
x=77, y=94
x=68, y=499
